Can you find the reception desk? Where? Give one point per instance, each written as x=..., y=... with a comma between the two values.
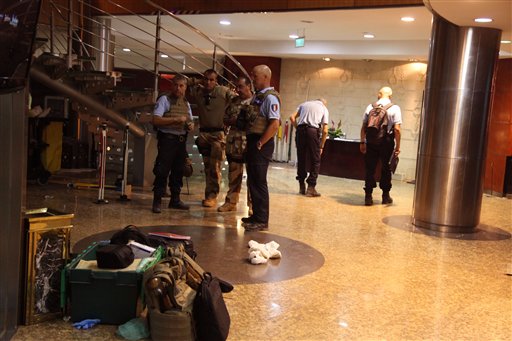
x=343, y=159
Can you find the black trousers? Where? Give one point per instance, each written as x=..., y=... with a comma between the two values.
x=308, y=154
x=374, y=153
x=169, y=164
x=257, y=167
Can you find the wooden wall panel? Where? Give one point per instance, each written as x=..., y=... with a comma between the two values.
x=500, y=130
x=230, y=6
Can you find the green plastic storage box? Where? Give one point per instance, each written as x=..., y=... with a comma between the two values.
x=111, y=296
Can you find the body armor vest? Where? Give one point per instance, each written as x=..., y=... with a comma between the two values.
x=236, y=141
x=179, y=108
x=256, y=123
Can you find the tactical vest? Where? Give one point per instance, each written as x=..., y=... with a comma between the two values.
x=236, y=141
x=233, y=109
x=256, y=123
x=211, y=106
x=179, y=108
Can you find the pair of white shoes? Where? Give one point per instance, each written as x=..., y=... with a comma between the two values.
x=261, y=253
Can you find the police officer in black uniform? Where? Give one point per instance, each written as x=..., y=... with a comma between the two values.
x=172, y=117
x=260, y=146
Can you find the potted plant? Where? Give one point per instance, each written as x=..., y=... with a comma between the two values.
x=335, y=130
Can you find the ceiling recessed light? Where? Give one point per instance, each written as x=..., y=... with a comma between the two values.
x=225, y=22
x=164, y=56
x=368, y=35
x=506, y=41
x=125, y=49
x=293, y=36
x=327, y=59
x=483, y=20
x=407, y=19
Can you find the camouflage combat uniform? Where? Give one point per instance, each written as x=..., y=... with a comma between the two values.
x=236, y=143
x=211, y=140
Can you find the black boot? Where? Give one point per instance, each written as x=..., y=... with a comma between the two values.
x=386, y=199
x=368, y=200
x=302, y=187
x=176, y=203
x=157, y=204
x=311, y=192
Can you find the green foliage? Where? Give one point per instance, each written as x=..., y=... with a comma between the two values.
x=335, y=130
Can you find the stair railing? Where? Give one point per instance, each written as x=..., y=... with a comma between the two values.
x=158, y=47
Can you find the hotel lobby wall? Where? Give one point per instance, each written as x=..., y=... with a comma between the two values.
x=349, y=86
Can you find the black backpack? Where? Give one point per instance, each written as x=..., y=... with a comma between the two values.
x=377, y=124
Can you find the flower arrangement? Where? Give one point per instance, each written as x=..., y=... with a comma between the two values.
x=335, y=130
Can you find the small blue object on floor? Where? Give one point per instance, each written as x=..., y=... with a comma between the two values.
x=86, y=324
x=135, y=329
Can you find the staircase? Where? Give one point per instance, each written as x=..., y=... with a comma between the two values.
x=80, y=56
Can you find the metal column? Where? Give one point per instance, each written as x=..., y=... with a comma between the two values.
x=453, y=137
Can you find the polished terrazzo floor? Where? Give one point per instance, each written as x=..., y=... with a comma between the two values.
x=380, y=279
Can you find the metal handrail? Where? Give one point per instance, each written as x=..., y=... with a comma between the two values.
x=136, y=40
x=166, y=30
x=199, y=32
x=87, y=48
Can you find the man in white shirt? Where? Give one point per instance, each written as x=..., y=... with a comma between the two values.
x=311, y=121
x=381, y=147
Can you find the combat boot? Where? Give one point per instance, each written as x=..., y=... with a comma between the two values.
x=386, y=199
x=227, y=207
x=302, y=187
x=209, y=202
x=311, y=192
x=368, y=200
x=177, y=204
x=157, y=204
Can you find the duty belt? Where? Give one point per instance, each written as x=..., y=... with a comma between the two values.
x=210, y=130
x=306, y=126
x=170, y=136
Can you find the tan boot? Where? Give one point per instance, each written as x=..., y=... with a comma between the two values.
x=209, y=202
x=311, y=192
x=227, y=207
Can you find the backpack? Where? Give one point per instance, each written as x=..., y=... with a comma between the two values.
x=377, y=124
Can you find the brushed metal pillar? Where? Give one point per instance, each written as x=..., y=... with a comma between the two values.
x=453, y=137
x=104, y=42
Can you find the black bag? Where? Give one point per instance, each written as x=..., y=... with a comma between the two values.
x=188, y=245
x=130, y=232
x=210, y=312
x=113, y=256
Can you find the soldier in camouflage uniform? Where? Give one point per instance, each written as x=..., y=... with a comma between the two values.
x=211, y=100
x=236, y=143
x=172, y=118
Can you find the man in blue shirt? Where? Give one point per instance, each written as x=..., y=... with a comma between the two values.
x=260, y=146
x=172, y=117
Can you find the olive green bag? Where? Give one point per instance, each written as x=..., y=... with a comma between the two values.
x=170, y=299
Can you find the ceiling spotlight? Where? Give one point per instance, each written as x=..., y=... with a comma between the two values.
x=506, y=41
x=483, y=20
x=368, y=35
x=327, y=59
x=407, y=19
x=225, y=22
x=293, y=36
x=125, y=49
x=164, y=56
